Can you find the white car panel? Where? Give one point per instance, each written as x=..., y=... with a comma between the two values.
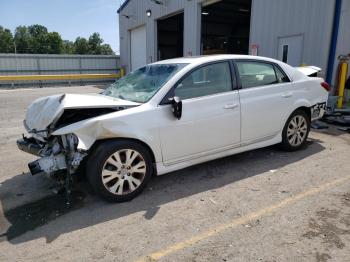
x=208, y=123
x=258, y=110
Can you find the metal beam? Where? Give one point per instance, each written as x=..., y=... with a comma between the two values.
x=58, y=77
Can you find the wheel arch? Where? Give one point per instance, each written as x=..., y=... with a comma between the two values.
x=301, y=106
x=306, y=109
x=98, y=142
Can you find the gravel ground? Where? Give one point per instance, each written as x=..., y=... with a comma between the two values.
x=263, y=205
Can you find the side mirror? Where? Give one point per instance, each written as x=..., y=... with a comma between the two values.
x=177, y=106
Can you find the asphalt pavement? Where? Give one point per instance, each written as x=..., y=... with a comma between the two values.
x=263, y=205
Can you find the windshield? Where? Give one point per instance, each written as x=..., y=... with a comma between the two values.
x=142, y=84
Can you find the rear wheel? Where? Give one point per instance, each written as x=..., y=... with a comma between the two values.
x=119, y=170
x=296, y=131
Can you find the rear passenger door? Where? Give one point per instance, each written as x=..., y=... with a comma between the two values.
x=265, y=94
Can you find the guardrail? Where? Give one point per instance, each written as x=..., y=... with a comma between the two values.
x=32, y=70
x=58, y=77
x=69, y=77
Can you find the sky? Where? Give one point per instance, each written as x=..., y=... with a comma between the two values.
x=70, y=18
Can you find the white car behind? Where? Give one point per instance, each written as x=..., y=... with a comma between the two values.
x=170, y=115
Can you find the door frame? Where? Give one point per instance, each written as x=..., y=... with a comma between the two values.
x=238, y=79
x=233, y=73
x=286, y=36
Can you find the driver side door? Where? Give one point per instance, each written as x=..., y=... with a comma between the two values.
x=210, y=120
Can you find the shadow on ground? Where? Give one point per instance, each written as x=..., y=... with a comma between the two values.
x=88, y=210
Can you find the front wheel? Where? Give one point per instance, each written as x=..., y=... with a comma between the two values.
x=119, y=170
x=296, y=131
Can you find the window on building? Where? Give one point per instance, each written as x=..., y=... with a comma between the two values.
x=285, y=53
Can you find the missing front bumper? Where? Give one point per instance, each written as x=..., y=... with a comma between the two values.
x=48, y=165
x=29, y=145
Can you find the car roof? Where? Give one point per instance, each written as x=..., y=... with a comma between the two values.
x=211, y=58
x=198, y=60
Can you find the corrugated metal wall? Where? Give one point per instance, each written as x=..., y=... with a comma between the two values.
x=313, y=19
x=271, y=20
x=136, y=11
x=343, y=45
x=23, y=64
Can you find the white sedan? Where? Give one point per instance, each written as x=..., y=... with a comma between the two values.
x=170, y=115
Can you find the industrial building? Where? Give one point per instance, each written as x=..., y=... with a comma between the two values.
x=310, y=32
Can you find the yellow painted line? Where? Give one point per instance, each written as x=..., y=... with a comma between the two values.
x=239, y=221
x=57, y=77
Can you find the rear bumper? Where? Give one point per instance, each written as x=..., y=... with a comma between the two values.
x=318, y=111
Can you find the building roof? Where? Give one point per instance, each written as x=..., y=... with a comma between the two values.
x=123, y=6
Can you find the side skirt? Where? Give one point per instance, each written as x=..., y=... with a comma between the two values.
x=163, y=169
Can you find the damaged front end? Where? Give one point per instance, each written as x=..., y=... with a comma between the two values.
x=61, y=151
x=58, y=155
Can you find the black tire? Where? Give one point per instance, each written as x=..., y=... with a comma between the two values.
x=96, y=164
x=286, y=144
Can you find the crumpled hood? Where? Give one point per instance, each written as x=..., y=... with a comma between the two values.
x=43, y=111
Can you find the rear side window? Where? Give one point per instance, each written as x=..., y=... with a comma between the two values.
x=254, y=74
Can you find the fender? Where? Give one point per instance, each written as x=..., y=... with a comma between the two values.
x=107, y=127
x=302, y=102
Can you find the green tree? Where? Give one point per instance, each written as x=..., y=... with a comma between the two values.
x=95, y=42
x=68, y=47
x=106, y=50
x=36, y=39
x=6, y=41
x=39, y=42
x=55, y=43
x=97, y=47
x=81, y=46
x=22, y=40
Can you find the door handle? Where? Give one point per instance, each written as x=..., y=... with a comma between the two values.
x=231, y=106
x=287, y=95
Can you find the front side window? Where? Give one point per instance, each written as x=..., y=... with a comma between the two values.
x=142, y=84
x=254, y=74
x=207, y=80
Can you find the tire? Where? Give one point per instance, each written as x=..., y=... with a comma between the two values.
x=119, y=170
x=295, y=131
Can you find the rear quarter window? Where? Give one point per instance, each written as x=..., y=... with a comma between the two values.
x=254, y=74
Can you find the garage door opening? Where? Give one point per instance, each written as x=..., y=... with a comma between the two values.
x=226, y=27
x=170, y=37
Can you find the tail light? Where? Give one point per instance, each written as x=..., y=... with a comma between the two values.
x=326, y=86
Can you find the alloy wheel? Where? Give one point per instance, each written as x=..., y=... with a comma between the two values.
x=123, y=172
x=297, y=130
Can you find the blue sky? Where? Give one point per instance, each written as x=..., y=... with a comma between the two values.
x=71, y=18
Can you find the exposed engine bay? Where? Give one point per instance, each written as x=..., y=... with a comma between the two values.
x=60, y=156
x=57, y=154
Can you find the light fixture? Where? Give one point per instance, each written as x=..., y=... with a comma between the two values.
x=205, y=13
x=149, y=13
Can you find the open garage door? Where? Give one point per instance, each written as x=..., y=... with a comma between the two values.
x=170, y=37
x=138, y=47
x=226, y=27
